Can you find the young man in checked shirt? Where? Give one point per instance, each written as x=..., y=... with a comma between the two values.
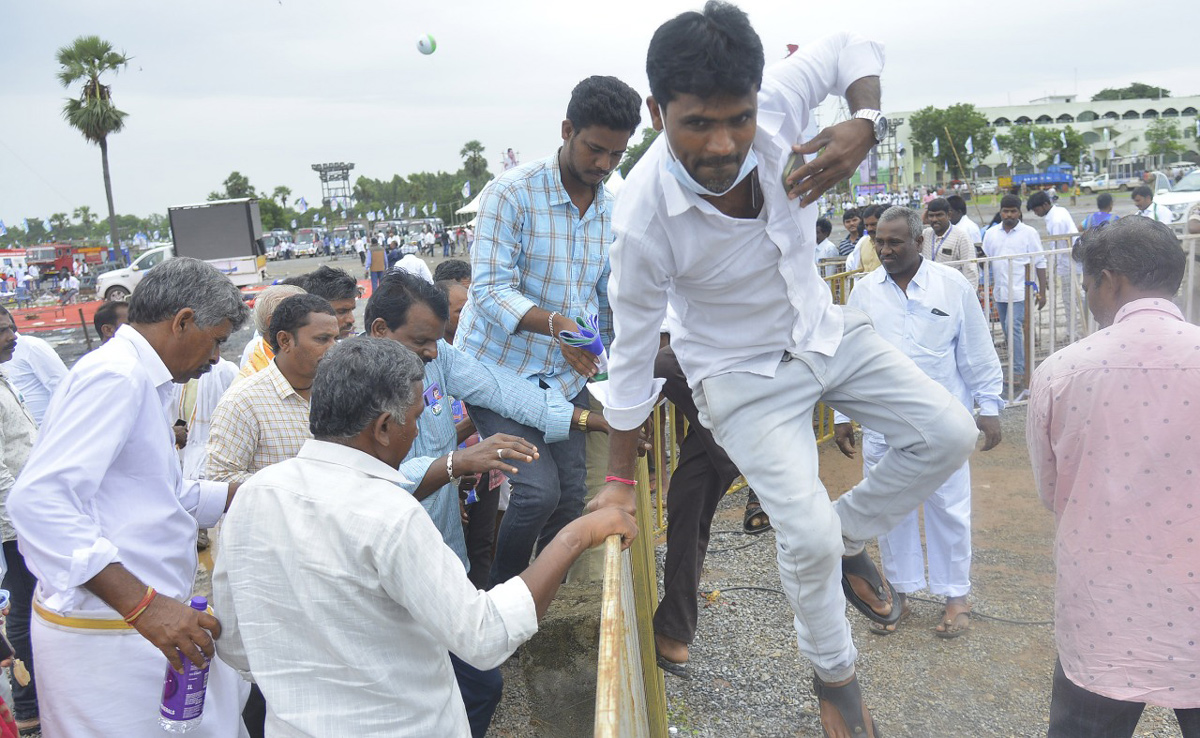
x=540, y=260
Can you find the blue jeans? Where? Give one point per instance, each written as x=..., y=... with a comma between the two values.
x=375, y=277
x=547, y=494
x=481, y=692
x=1017, y=345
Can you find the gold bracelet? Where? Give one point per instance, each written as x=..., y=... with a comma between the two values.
x=583, y=419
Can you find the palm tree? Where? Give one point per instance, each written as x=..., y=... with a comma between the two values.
x=83, y=214
x=93, y=112
x=281, y=194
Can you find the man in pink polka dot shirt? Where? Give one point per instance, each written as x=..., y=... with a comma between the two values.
x=1114, y=438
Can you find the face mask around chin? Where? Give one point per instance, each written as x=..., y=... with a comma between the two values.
x=676, y=168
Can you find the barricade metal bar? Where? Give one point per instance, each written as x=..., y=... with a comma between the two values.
x=645, y=597
x=620, y=697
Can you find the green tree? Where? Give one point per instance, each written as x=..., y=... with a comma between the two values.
x=93, y=113
x=236, y=185
x=1162, y=137
x=86, y=219
x=1135, y=91
x=474, y=162
x=634, y=153
x=60, y=222
x=963, y=121
x=281, y=195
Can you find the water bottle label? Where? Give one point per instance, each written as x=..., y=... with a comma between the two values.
x=183, y=695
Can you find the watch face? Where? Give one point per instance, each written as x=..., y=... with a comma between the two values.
x=881, y=128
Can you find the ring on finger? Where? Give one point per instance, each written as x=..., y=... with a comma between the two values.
x=500, y=453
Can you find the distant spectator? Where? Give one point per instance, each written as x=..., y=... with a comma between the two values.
x=826, y=249
x=960, y=219
x=853, y=225
x=1143, y=200
x=1103, y=214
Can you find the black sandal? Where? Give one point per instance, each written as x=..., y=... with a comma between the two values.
x=861, y=565
x=756, y=520
x=847, y=700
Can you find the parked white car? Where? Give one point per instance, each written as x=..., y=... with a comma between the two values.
x=1099, y=183
x=1180, y=198
x=119, y=283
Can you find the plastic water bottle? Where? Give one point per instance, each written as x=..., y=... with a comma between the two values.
x=182, y=706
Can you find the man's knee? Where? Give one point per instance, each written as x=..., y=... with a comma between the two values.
x=954, y=434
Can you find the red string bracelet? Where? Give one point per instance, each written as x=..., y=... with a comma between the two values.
x=630, y=482
x=137, y=611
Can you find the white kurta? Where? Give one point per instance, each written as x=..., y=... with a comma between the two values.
x=104, y=485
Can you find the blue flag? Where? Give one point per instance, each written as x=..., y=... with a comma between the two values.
x=466, y=190
x=3, y=230
x=302, y=204
x=46, y=225
x=995, y=144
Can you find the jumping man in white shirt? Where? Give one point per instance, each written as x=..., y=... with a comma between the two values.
x=708, y=213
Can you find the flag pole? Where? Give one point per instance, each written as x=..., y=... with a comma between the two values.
x=954, y=148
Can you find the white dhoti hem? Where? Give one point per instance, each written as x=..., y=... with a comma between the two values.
x=109, y=683
x=947, y=534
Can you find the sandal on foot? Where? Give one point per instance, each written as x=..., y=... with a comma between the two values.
x=905, y=611
x=948, y=629
x=860, y=565
x=755, y=520
x=847, y=700
x=672, y=667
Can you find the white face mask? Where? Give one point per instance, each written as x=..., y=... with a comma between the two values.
x=680, y=172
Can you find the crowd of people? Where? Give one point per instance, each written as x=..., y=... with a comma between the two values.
x=398, y=502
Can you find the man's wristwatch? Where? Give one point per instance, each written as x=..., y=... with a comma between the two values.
x=877, y=119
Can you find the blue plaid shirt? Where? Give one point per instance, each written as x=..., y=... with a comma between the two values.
x=532, y=249
x=460, y=376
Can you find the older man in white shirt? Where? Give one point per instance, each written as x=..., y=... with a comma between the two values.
x=709, y=223
x=380, y=664
x=930, y=312
x=1060, y=223
x=108, y=524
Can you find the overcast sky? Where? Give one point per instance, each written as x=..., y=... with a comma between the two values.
x=269, y=87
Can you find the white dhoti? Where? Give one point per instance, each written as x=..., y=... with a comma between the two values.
x=947, y=534
x=108, y=683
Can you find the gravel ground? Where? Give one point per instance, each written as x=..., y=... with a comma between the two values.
x=994, y=681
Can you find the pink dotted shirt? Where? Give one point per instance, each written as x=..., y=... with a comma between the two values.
x=1114, y=438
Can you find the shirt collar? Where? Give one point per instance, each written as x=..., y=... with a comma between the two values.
x=280, y=383
x=880, y=275
x=351, y=458
x=1148, y=304
x=558, y=191
x=147, y=355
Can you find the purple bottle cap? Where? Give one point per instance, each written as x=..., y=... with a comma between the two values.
x=200, y=603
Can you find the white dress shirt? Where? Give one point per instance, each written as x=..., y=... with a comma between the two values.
x=35, y=370
x=745, y=290
x=1156, y=212
x=338, y=598
x=971, y=228
x=414, y=265
x=103, y=483
x=1008, y=275
x=826, y=250
x=940, y=326
x=1058, y=223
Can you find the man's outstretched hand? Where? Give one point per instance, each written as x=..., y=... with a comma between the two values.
x=843, y=435
x=843, y=147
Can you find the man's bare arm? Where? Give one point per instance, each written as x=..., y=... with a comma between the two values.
x=537, y=320
x=843, y=146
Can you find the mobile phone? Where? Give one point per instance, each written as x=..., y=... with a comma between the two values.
x=794, y=161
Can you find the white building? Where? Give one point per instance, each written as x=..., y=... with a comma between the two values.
x=1109, y=128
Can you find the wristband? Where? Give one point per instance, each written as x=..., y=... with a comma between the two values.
x=450, y=467
x=621, y=480
x=141, y=606
x=550, y=323
x=583, y=419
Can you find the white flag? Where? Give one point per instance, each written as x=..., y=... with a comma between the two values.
x=435, y=207
x=303, y=204
x=1062, y=136
x=936, y=151
x=425, y=209
x=970, y=145
x=995, y=144
x=466, y=190
x=293, y=222
x=1032, y=143
x=412, y=211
